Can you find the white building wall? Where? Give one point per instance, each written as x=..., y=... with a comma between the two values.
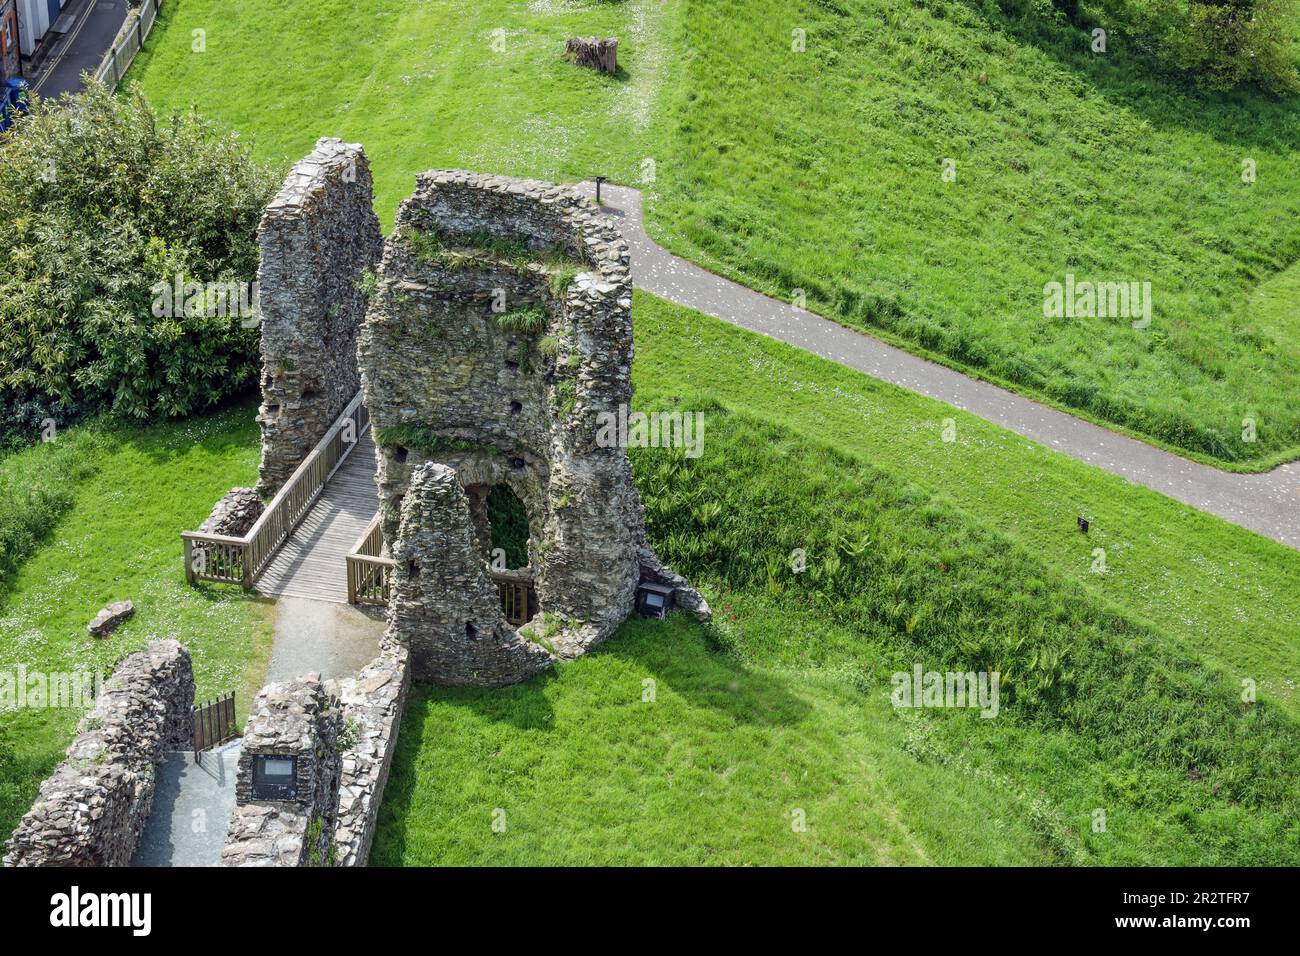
x=33, y=21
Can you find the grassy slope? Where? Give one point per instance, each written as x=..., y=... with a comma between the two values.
x=419, y=85
x=120, y=539
x=1103, y=711
x=822, y=171
x=708, y=773
x=1222, y=591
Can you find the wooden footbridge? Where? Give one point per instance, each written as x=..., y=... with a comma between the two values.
x=320, y=537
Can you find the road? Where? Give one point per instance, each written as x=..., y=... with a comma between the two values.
x=94, y=26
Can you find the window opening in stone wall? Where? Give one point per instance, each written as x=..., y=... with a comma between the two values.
x=508, y=519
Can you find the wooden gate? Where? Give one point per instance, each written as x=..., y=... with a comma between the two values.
x=214, y=723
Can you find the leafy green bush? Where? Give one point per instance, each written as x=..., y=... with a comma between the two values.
x=509, y=520
x=102, y=202
x=1226, y=43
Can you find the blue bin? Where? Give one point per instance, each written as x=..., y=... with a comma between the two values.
x=13, y=101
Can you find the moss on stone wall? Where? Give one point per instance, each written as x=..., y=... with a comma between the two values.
x=425, y=439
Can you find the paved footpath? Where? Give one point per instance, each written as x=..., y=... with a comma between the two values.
x=191, y=809
x=192, y=805
x=1268, y=503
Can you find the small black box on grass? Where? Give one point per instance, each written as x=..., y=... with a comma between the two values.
x=653, y=600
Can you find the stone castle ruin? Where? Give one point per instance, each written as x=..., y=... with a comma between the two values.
x=485, y=337
x=498, y=327
x=317, y=237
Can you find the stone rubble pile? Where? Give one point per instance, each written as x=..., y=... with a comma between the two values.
x=107, y=620
x=235, y=514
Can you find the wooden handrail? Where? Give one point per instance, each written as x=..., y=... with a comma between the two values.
x=369, y=572
x=371, y=542
x=216, y=555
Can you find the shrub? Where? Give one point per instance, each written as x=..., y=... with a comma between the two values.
x=1224, y=44
x=509, y=522
x=102, y=202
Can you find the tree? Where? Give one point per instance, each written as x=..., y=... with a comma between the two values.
x=101, y=206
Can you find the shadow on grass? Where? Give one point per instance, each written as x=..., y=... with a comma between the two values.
x=677, y=654
x=1127, y=76
x=232, y=424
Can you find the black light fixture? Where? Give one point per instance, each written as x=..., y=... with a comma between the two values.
x=1083, y=524
x=275, y=777
x=653, y=600
x=599, y=180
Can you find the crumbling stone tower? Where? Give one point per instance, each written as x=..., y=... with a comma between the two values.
x=500, y=328
x=318, y=237
x=445, y=593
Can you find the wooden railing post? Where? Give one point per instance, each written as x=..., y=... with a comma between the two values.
x=281, y=516
x=247, y=560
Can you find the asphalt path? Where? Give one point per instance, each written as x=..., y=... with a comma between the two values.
x=1268, y=504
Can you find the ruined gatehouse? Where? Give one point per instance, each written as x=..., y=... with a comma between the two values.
x=498, y=328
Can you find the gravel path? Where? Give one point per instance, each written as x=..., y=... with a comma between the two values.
x=1268, y=504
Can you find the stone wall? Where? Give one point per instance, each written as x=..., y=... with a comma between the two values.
x=451, y=375
x=92, y=809
x=236, y=513
x=318, y=236
x=372, y=714
x=292, y=718
x=443, y=601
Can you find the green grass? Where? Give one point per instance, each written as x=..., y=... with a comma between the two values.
x=710, y=771
x=118, y=537
x=827, y=176
x=425, y=439
x=773, y=707
x=530, y=319
x=1220, y=590
x=419, y=85
x=822, y=170
x=36, y=489
x=1274, y=308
